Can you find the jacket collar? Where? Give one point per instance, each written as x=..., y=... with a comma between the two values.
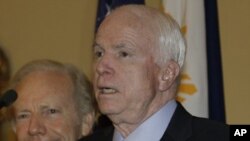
x=180, y=126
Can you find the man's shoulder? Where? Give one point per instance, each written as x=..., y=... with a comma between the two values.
x=209, y=130
x=204, y=123
x=184, y=126
x=199, y=122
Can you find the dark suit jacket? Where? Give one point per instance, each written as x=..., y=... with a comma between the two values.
x=182, y=127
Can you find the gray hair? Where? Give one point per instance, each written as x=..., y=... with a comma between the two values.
x=172, y=42
x=169, y=39
x=82, y=87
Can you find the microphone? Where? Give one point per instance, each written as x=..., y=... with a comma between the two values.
x=8, y=98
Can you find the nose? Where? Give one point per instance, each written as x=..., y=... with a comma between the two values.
x=36, y=126
x=104, y=65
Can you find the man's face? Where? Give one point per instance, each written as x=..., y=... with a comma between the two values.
x=44, y=110
x=125, y=73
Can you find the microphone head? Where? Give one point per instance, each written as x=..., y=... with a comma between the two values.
x=8, y=98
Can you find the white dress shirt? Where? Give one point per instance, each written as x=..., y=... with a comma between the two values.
x=153, y=128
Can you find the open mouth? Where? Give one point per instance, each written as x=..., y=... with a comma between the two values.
x=107, y=90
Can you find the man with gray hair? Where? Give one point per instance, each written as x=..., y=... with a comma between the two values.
x=139, y=53
x=54, y=102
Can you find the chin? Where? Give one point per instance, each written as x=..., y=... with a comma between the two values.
x=107, y=110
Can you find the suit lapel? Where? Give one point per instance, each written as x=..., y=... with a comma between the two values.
x=105, y=134
x=108, y=134
x=180, y=126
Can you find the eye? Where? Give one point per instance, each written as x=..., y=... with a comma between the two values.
x=123, y=54
x=22, y=116
x=98, y=54
x=98, y=51
x=52, y=111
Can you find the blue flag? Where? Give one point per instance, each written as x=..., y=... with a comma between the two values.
x=215, y=78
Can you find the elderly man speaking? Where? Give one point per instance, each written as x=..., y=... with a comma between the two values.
x=139, y=53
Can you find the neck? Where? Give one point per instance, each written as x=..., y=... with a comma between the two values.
x=125, y=125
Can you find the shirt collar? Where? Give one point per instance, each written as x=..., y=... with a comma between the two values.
x=153, y=128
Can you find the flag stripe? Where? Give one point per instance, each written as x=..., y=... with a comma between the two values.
x=215, y=78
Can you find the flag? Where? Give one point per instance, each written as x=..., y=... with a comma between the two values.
x=105, y=6
x=200, y=78
x=193, y=91
x=215, y=77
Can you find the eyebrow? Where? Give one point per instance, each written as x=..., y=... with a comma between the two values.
x=40, y=108
x=120, y=46
x=115, y=47
x=44, y=107
x=125, y=46
x=22, y=111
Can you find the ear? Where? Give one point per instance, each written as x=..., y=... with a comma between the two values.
x=87, y=123
x=168, y=75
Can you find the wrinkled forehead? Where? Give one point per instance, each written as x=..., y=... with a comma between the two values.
x=135, y=17
x=45, y=88
x=128, y=22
